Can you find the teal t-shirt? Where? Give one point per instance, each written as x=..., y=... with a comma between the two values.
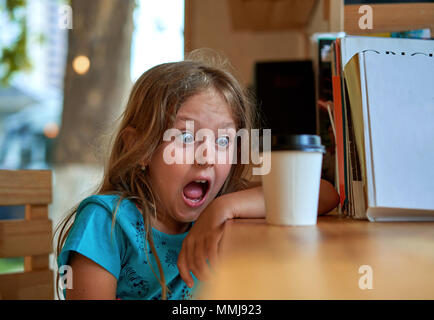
x=122, y=251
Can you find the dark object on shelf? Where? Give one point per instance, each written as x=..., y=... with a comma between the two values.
x=286, y=96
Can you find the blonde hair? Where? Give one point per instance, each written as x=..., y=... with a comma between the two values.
x=153, y=103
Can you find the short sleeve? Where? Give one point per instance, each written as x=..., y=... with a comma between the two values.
x=91, y=235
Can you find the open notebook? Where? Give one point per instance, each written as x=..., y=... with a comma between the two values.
x=391, y=111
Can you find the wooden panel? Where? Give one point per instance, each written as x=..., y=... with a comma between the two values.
x=336, y=15
x=188, y=26
x=391, y=17
x=260, y=261
x=39, y=262
x=25, y=238
x=19, y=187
x=266, y=15
x=36, y=262
x=326, y=9
x=36, y=212
x=36, y=285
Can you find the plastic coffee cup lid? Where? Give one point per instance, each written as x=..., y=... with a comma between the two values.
x=297, y=142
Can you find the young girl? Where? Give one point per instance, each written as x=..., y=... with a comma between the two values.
x=152, y=229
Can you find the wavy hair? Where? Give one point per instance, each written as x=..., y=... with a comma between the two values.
x=153, y=103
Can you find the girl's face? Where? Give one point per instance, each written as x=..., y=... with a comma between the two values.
x=180, y=186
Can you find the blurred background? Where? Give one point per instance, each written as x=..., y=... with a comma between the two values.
x=66, y=68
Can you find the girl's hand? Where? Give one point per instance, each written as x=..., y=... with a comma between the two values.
x=201, y=243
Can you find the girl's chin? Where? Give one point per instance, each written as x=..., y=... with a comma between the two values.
x=189, y=216
x=186, y=214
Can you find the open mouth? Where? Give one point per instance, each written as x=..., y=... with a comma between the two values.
x=195, y=192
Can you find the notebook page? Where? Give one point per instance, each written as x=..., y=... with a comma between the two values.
x=400, y=105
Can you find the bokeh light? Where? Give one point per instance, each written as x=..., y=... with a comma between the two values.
x=81, y=64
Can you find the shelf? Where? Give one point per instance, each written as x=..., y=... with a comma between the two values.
x=391, y=17
x=270, y=15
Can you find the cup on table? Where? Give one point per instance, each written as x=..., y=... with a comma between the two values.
x=291, y=188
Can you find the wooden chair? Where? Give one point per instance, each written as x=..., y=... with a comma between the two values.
x=29, y=238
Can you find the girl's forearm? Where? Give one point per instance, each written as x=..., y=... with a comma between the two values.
x=328, y=197
x=250, y=203
x=247, y=203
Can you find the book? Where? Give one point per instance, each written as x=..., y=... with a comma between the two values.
x=339, y=124
x=409, y=34
x=390, y=110
x=323, y=44
x=356, y=150
x=351, y=45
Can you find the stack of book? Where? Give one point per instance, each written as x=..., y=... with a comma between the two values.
x=383, y=120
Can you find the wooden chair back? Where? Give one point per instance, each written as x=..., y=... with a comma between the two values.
x=29, y=238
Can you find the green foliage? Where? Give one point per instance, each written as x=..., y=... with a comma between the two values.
x=14, y=58
x=11, y=5
x=9, y=265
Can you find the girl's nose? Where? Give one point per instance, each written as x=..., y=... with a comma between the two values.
x=205, y=153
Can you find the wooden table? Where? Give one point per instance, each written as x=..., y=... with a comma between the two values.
x=260, y=261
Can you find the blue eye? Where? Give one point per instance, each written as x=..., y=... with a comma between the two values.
x=223, y=141
x=187, y=137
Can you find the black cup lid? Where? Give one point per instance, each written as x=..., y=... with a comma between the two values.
x=297, y=142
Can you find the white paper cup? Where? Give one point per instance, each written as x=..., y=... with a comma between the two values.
x=291, y=188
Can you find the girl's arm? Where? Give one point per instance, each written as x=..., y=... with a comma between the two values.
x=202, y=241
x=90, y=280
x=328, y=200
x=328, y=197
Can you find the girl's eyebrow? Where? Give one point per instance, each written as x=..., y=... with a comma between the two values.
x=223, y=125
